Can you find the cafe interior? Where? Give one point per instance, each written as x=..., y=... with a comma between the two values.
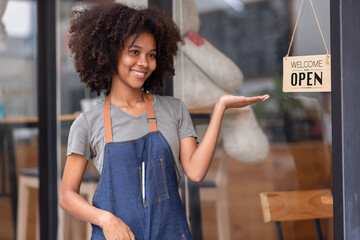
x=272, y=171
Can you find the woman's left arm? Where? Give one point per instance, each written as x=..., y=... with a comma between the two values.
x=196, y=159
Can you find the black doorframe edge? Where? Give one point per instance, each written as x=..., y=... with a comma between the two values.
x=345, y=36
x=165, y=6
x=336, y=105
x=47, y=112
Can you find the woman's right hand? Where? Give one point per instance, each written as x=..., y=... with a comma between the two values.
x=70, y=200
x=115, y=229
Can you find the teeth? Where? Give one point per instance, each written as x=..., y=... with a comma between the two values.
x=138, y=73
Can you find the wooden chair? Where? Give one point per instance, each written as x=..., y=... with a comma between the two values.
x=29, y=179
x=295, y=205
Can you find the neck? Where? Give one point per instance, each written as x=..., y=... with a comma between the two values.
x=125, y=96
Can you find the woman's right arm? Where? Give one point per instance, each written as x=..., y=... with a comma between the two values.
x=73, y=203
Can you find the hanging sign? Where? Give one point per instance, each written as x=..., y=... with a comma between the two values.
x=307, y=73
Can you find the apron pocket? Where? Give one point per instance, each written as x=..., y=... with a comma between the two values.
x=155, y=182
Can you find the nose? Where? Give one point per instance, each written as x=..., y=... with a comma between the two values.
x=143, y=61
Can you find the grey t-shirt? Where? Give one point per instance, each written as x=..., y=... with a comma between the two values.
x=87, y=135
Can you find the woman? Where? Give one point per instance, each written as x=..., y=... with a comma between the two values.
x=138, y=141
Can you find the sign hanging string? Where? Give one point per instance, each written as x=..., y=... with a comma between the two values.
x=297, y=21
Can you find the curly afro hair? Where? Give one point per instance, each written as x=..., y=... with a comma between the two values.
x=98, y=32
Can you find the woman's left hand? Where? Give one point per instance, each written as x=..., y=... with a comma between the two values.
x=195, y=159
x=231, y=101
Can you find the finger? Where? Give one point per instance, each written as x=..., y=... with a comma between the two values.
x=264, y=97
x=252, y=100
x=259, y=98
x=131, y=234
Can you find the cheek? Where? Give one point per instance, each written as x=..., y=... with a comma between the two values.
x=153, y=66
x=126, y=61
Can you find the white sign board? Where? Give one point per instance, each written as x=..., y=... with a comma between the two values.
x=307, y=73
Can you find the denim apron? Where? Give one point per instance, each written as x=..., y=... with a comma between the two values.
x=138, y=184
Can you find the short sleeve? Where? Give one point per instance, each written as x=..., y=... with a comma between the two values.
x=186, y=126
x=79, y=140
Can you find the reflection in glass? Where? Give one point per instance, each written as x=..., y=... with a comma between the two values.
x=297, y=125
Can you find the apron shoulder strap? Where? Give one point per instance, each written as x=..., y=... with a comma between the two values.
x=107, y=120
x=150, y=113
x=107, y=117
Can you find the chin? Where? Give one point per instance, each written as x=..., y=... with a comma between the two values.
x=137, y=86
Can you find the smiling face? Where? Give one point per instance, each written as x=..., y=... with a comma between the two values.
x=136, y=61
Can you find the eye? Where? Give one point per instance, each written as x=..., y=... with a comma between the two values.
x=134, y=52
x=152, y=55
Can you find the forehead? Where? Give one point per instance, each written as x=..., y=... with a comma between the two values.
x=144, y=40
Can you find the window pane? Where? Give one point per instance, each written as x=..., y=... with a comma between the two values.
x=18, y=114
x=253, y=36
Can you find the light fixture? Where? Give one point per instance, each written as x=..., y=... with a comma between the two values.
x=237, y=5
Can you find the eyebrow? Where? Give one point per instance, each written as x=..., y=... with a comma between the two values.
x=136, y=46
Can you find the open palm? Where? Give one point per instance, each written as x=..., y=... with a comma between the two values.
x=231, y=101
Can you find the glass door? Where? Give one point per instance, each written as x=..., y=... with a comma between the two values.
x=281, y=145
x=18, y=119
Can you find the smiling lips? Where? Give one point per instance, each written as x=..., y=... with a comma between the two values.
x=138, y=74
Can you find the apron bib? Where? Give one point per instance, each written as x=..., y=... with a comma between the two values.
x=138, y=184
